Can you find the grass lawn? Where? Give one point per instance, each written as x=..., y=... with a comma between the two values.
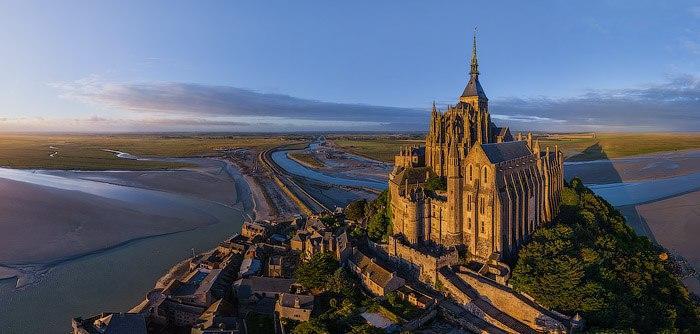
x=86, y=152
x=616, y=145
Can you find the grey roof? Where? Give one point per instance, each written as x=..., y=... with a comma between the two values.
x=305, y=301
x=474, y=88
x=255, y=284
x=500, y=152
x=120, y=323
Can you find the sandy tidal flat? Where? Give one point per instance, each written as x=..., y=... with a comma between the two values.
x=675, y=223
x=50, y=217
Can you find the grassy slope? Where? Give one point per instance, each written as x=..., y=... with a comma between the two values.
x=86, y=151
x=614, y=145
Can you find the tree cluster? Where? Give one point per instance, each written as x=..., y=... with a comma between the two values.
x=376, y=213
x=589, y=261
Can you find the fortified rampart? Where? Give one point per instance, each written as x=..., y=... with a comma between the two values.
x=425, y=264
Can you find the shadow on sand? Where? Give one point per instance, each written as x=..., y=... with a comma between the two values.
x=603, y=171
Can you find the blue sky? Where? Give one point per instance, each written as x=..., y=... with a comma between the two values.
x=356, y=65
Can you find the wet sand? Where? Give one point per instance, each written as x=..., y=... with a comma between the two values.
x=635, y=168
x=675, y=224
x=42, y=225
x=86, y=242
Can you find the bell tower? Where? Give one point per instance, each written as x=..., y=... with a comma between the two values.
x=474, y=94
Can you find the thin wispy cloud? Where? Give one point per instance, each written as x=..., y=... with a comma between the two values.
x=671, y=106
x=189, y=99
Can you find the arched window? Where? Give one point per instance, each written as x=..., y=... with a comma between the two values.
x=485, y=174
x=470, y=173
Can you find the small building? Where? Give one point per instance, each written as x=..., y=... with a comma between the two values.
x=251, y=264
x=259, y=294
x=219, y=318
x=414, y=297
x=373, y=276
x=186, y=300
x=274, y=266
x=317, y=238
x=295, y=307
x=247, y=288
x=251, y=230
x=111, y=323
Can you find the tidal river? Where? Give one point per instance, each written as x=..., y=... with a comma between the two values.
x=154, y=225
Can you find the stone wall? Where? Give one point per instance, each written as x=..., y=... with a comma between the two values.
x=512, y=303
x=426, y=264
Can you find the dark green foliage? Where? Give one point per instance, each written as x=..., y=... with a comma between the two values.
x=355, y=211
x=399, y=307
x=379, y=213
x=366, y=329
x=436, y=183
x=333, y=222
x=590, y=262
x=317, y=271
x=377, y=227
x=260, y=324
x=313, y=326
x=340, y=283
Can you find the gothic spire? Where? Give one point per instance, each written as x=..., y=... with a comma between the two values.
x=475, y=62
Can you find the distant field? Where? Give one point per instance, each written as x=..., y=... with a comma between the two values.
x=306, y=159
x=86, y=152
x=616, y=145
x=575, y=148
x=377, y=148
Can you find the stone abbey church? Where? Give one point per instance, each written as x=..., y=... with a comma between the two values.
x=499, y=188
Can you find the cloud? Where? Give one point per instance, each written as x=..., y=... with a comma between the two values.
x=671, y=106
x=189, y=99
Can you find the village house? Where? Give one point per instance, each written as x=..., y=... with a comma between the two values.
x=373, y=277
x=317, y=238
x=294, y=306
x=251, y=230
x=112, y=323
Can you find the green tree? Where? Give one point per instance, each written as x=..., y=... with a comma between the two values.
x=436, y=183
x=312, y=326
x=355, y=211
x=590, y=262
x=315, y=273
x=341, y=284
x=366, y=329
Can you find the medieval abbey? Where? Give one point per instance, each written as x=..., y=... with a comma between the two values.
x=499, y=189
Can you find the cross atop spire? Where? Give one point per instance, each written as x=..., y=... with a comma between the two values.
x=475, y=62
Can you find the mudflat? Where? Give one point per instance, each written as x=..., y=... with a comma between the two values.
x=41, y=225
x=636, y=168
x=675, y=225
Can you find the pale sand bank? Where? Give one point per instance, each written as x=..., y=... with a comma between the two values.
x=675, y=224
x=635, y=168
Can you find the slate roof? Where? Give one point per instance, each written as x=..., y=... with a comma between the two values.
x=121, y=323
x=506, y=151
x=474, y=88
x=305, y=301
x=376, y=272
x=255, y=284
